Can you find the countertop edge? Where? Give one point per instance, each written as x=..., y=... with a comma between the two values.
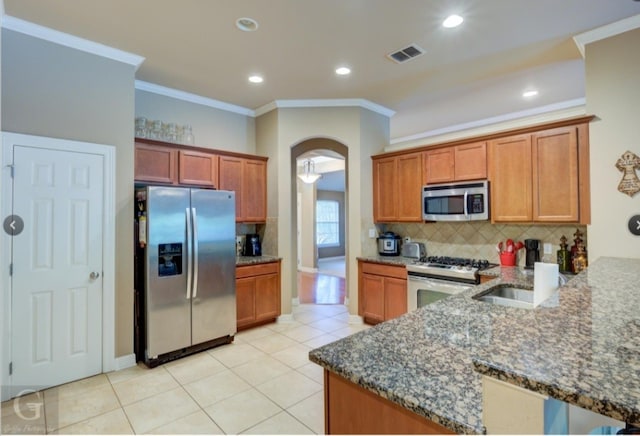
x=255, y=260
x=455, y=426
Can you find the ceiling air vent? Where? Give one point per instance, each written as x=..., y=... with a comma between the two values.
x=406, y=54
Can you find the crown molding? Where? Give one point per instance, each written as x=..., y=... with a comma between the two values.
x=192, y=98
x=555, y=107
x=64, y=39
x=606, y=31
x=346, y=102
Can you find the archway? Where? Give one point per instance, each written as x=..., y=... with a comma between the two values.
x=327, y=152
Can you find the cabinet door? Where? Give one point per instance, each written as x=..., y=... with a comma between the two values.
x=510, y=176
x=231, y=177
x=198, y=168
x=555, y=175
x=373, y=296
x=471, y=161
x=267, y=297
x=385, y=201
x=395, y=298
x=439, y=165
x=245, y=301
x=155, y=164
x=254, y=195
x=409, y=188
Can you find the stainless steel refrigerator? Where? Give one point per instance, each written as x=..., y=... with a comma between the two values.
x=185, y=271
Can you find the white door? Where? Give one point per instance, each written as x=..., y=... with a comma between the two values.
x=57, y=267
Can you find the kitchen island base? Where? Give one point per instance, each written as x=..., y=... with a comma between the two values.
x=351, y=409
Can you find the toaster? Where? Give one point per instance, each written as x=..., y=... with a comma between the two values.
x=414, y=250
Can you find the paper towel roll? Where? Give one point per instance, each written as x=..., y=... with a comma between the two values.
x=545, y=281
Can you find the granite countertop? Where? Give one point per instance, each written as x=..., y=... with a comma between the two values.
x=582, y=346
x=252, y=260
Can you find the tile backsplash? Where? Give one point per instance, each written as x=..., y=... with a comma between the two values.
x=478, y=239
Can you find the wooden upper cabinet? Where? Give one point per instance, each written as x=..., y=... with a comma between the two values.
x=470, y=161
x=409, y=191
x=439, y=165
x=510, y=176
x=155, y=164
x=536, y=177
x=397, y=188
x=255, y=192
x=248, y=179
x=384, y=189
x=198, y=168
x=555, y=175
x=230, y=169
x=456, y=163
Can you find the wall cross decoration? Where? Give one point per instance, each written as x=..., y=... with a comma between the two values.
x=628, y=164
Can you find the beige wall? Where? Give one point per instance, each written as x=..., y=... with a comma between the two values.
x=364, y=133
x=55, y=91
x=212, y=128
x=612, y=69
x=307, y=231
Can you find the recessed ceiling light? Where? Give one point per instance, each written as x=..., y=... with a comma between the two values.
x=343, y=71
x=453, y=21
x=529, y=94
x=256, y=79
x=247, y=24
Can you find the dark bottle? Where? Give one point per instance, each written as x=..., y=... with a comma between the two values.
x=564, y=257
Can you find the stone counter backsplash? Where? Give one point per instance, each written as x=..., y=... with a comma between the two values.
x=478, y=240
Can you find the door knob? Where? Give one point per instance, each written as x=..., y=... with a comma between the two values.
x=94, y=275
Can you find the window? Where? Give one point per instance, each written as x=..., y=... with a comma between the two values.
x=327, y=223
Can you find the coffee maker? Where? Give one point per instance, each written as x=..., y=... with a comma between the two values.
x=252, y=245
x=533, y=252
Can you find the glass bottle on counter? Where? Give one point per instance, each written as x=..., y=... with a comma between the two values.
x=580, y=261
x=564, y=257
x=577, y=240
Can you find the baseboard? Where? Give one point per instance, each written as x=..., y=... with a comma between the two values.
x=295, y=301
x=286, y=318
x=307, y=269
x=124, y=362
x=356, y=319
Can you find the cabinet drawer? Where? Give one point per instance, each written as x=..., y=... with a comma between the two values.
x=399, y=272
x=256, y=270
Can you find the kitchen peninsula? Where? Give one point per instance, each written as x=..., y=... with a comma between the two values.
x=582, y=346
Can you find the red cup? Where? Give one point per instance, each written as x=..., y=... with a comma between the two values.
x=508, y=259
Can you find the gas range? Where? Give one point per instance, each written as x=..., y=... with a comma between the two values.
x=449, y=268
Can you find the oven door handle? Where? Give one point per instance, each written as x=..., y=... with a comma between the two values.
x=441, y=285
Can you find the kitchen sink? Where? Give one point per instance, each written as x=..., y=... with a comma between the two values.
x=507, y=295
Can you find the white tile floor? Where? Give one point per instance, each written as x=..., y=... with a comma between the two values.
x=263, y=383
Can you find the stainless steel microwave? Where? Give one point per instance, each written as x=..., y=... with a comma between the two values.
x=465, y=201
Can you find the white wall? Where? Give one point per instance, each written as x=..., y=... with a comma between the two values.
x=613, y=69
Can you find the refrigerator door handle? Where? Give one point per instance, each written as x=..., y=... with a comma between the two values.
x=189, y=251
x=194, y=219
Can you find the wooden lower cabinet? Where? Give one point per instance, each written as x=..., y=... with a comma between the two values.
x=351, y=409
x=382, y=291
x=257, y=294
